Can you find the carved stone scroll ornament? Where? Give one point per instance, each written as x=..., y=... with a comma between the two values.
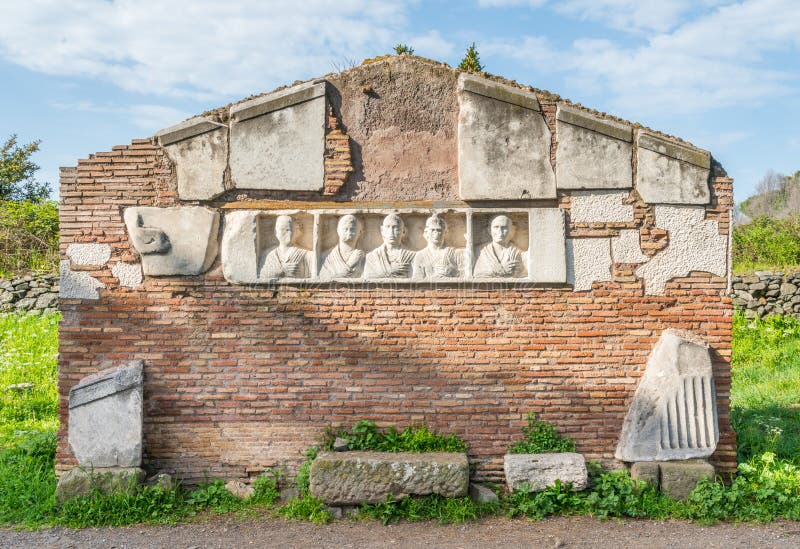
x=673, y=415
x=500, y=258
x=149, y=240
x=391, y=259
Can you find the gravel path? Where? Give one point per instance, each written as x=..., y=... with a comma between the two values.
x=496, y=532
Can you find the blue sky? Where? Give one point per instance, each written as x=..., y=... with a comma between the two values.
x=84, y=75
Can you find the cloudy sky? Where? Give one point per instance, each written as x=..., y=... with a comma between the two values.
x=84, y=75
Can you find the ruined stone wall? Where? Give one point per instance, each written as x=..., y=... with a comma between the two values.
x=239, y=378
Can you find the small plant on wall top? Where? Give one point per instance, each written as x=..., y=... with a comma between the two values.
x=541, y=438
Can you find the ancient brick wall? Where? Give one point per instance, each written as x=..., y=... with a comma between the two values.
x=239, y=378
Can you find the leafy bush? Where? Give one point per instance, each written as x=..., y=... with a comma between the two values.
x=765, y=489
x=541, y=438
x=365, y=435
x=306, y=507
x=265, y=488
x=767, y=243
x=28, y=237
x=213, y=495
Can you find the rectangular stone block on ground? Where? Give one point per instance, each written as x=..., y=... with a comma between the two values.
x=352, y=478
x=538, y=471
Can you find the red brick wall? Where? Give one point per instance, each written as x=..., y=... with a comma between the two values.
x=239, y=378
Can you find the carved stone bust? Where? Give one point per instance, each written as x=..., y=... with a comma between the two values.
x=500, y=258
x=344, y=260
x=391, y=259
x=436, y=260
x=286, y=260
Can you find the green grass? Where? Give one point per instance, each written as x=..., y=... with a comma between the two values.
x=766, y=390
x=28, y=355
x=765, y=395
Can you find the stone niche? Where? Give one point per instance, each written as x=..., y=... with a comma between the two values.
x=278, y=140
x=355, y=245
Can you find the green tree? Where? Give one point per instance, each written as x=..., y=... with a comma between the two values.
x=17, y=172
x=471, y=61
x=400, y=49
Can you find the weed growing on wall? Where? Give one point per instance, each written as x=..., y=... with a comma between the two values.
x=365, y=435
x=541, y=438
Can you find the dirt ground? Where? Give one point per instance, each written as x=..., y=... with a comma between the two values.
x=496, y=532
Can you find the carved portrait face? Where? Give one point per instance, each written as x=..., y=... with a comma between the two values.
x=284, y=229
x=435, y=228
x=392, y=229
x=348, y=229
x=501, y=229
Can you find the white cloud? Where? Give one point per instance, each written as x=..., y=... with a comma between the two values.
x=144, y=116
x=431, y=45
x=507, y=3
x=715, y=60
x=634, y=15
x=202, y=49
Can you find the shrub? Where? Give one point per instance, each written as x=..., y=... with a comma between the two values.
x=541, y=438
x=767, y=243
x=265, y=488
x=28, y=236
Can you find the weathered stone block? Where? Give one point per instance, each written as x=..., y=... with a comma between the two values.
x=503, y=143
x=199, y=149
x=351, y=478
x=678, y=479
x=548, y=250
x=481, y=494
x=278, y=140
x=105, y=417
x=673, y=415
x=593, y=152
x=647, y=471
x=538, y=471
x=174, y=241
x=81, y=481
x=669, y=172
